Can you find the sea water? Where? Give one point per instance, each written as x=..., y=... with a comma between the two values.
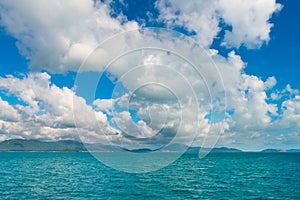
x=72, y=175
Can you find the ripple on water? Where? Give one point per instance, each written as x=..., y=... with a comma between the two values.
x=30, y=175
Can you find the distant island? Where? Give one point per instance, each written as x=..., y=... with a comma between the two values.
x=279, y=150
x=36, y=145
x=77, y=146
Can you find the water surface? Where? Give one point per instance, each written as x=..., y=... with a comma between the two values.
x=66, y=175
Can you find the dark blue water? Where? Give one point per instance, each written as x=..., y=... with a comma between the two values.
x=33, y=175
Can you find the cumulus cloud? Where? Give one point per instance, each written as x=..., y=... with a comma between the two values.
x=196, y=16
x=270, y=82
x=177, y=103
x=48, y=113
x=8, y=112
x=104, y=105
x=168, y=94
x=290, y=114
x=281, y=129
x=59, y=42
x=248, y=20
x=125, y=123
x=247, y=101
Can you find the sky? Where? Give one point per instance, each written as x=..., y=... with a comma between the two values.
x=146, y=74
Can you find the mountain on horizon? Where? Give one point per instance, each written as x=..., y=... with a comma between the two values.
x=73, y=145
x=182, y=147
x=272, y=150
x=37, y=145
x=280, y=150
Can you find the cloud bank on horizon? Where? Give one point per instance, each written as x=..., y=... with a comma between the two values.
x=257, y=114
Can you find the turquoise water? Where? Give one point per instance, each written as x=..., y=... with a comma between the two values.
x=50, y=175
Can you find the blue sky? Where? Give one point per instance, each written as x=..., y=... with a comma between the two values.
x=46, y=52
x=278, y=58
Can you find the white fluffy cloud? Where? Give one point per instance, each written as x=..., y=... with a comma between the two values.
x=163, y=84
x=8, y=112
x=58, y=35
x=281, y=127
x=60, y=42
x=138, y=130
x=246, y=95
x=247, y=99
x=248, y=20
x=48, y=113
x=197, y=16
x=290, y=114
x=50, y=108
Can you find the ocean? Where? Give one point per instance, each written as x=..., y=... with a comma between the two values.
x=78, y=175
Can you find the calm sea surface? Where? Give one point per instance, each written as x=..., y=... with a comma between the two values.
x=55, y=175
